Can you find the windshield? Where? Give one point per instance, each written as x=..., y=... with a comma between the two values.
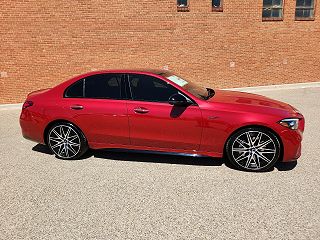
x=193, y=88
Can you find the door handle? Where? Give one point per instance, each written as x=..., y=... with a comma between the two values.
x=140, y=110
x=76, y=107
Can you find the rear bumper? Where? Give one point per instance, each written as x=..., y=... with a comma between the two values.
x=31, y=127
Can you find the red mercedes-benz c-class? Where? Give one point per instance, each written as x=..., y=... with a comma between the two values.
x=159, y=111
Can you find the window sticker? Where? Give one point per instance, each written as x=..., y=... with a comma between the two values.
x=178, y=80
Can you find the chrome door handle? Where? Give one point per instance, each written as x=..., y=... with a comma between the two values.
x=76, y=107
x=140, y=110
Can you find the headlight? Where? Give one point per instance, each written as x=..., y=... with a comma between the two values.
x=292, y=123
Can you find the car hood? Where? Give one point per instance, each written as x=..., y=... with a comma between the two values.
x=249, y=99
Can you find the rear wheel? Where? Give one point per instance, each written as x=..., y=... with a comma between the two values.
x=253, y=149
x=66, y=141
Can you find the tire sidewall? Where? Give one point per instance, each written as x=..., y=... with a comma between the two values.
x=83, y=140
x=238, y=133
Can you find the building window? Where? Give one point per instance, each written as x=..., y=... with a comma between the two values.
x=182, y=6
x=217, y=5
x=272, y=10
x=305, y=10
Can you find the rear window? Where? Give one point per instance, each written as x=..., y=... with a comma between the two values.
x=102, y=86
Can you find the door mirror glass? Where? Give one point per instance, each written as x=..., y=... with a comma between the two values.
x=179, y=100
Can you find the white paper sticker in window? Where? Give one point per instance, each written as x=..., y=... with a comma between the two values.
x=178, y=80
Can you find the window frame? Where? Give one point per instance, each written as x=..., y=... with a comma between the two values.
x=183, y=8
x=306, y=18
x=123, y=92
x=266, y=19
x=130, y=95
x=217, y=9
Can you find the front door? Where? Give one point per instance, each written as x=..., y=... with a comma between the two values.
x=154, y=123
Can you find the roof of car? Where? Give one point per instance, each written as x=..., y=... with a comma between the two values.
x=161, y=72
x=146, y=70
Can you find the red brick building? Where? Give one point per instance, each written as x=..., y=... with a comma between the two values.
x=224, y=43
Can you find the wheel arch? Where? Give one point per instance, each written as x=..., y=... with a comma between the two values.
x=50, y=124
x=256, y=126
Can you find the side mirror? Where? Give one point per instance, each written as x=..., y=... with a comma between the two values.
x=179, y=100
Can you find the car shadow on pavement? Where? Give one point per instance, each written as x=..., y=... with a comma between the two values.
x=160, y=157
x=42, y=149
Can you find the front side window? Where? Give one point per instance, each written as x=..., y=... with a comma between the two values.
x=272, y=10
x=304, y=10
x=103, y=86
x=151, y=89
x=217, y=5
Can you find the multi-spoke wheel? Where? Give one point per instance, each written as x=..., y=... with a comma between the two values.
x=66, y=141
x=253, y=149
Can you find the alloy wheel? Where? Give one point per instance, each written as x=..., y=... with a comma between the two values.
x=64, y=141
x=254, y=150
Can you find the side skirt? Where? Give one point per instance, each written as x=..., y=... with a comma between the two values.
x=142, y=149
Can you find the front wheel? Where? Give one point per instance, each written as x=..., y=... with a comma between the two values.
x=66, y=141
x=253, y=149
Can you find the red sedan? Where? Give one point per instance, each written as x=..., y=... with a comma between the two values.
x=160, y=111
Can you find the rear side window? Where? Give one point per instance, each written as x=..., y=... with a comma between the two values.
x=103, y=86
x=151, y=89
x=76, y=90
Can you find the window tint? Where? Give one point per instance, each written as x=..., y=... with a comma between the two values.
x=103, y=86
x=75, y=90
x=148, y=88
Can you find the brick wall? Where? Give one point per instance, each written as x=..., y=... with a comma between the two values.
x=46, y=42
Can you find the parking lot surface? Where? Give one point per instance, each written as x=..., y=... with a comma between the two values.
x=118, y=195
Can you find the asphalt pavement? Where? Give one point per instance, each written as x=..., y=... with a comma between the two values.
x=119, y=195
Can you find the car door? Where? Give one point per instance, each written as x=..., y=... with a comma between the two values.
x=99, y=108
x=154, y=122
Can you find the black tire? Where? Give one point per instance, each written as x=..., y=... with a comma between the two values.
x=253, y=149
x=66, y=141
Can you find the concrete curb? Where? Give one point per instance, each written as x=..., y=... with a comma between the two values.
x=276, y=87
x=244, y=89
x=10, y=106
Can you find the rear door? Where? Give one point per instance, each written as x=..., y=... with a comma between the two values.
x=157, y=124
x=97, y=104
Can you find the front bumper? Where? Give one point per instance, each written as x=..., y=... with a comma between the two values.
x=291, y=140
x=291, y=145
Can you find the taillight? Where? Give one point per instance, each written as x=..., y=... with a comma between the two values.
x=27, y=104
